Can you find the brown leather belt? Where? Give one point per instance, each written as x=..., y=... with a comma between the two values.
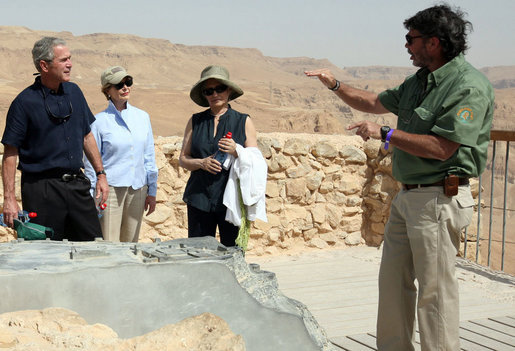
x=462, y=181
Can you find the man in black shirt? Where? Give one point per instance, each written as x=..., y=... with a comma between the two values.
x=48, y=127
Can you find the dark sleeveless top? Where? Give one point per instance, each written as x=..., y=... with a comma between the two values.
x=204, y=190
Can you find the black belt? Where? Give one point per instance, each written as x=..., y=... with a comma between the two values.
x=461, y=181
x=68, y=177
x=64, y=175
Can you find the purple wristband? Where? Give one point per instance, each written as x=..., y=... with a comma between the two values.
x=387, y=140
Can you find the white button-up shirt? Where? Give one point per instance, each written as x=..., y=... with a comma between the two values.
x=126, y=144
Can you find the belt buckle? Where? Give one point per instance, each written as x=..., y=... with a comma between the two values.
x=67, y=177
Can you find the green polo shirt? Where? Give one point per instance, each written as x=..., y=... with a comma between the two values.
x=456, y=102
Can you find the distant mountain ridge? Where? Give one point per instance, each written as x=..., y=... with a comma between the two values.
x=278, y=95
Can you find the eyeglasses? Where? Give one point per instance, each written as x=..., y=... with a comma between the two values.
x=409, y=38
x=127, y=82
x=56, y=110
x=219, y=89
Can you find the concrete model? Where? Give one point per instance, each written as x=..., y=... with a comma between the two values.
x=137, y=288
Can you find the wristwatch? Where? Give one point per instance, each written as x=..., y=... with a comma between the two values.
x=384, y=132
x=101, y=172
x=336, y=86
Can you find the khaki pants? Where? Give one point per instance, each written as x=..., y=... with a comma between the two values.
x=421, y=240
x=121, y=220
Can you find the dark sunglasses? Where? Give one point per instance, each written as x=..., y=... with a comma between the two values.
x=409, y=38
x=127, y=82
x=57, y=111
x=219, y=89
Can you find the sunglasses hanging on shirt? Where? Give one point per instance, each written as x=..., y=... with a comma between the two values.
x=58, y=107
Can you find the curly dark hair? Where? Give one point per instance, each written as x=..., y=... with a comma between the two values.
x=447, y=25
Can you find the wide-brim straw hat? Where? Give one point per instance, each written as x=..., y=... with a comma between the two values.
x=219, y=73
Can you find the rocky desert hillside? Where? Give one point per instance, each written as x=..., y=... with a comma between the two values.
x=277, y=94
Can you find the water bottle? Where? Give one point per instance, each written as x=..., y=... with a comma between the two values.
x=100, y=209
x=220, y=156
x=23, y=216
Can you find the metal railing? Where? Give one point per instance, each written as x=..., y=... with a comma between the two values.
x=495, y=137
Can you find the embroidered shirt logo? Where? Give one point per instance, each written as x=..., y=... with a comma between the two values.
x=465, y=114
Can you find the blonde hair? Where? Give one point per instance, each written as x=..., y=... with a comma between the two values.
x=105, y=89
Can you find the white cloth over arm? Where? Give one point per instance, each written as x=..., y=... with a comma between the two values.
x=251, y=169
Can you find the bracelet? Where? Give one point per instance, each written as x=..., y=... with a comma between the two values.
x=387, y=140
x=336, y=86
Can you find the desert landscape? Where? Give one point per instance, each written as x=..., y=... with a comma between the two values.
x=278, y=96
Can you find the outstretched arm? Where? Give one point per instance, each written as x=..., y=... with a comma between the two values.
x=421, y=145
x=358, y=99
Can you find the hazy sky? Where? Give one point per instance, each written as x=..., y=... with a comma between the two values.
x=347, y=32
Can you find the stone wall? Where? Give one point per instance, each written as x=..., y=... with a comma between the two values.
x=322, y=191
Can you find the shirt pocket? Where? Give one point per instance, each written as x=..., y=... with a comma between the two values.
x=423, y=120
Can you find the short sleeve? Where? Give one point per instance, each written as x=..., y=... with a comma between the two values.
x=15, y=125
x=391, y=98
x=462, y=116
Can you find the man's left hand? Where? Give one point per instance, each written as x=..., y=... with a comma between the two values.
x=366, y=130
x=102, y=188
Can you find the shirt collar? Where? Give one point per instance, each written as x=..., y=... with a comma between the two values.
x=112, y=107
x=208, y=111
x=60, y=91
x=439, y=75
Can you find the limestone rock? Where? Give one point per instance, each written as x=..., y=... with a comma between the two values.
x=296, y=147
x=318, y=243
x=325, y=149
x=353, y=239
x=62, y=329
x=160, y=215
x=353, y=155
x=314, y=180
x=296, y=188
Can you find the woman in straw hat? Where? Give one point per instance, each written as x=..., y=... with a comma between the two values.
x=205, y=135
x=124, y=137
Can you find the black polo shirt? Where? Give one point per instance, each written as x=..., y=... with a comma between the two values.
x=48, y=127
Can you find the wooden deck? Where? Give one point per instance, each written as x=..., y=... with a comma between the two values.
x=339, y=288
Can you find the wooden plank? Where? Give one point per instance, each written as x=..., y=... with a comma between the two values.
x=500, y=327
x=509, y=321
x=365, y=339
x=489, y=333
x=340, y=289
x=470, y=346
x=350, y=345
x=481, y=340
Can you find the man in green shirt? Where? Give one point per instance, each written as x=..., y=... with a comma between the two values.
x=441, y=139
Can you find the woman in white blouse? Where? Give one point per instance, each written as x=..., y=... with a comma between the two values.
x=124, y=137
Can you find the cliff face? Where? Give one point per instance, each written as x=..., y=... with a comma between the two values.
x=322, y=191
x=338, y=197
x=278, y=96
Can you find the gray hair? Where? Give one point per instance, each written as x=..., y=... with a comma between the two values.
x=44, y=50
